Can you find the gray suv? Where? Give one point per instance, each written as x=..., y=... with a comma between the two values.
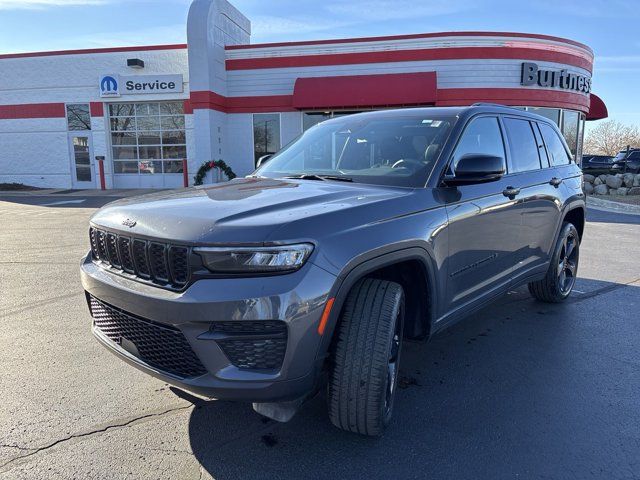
x=367, y=230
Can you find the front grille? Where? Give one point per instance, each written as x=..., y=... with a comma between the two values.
x=158, y=262
x=253, y=345
x=161, y=346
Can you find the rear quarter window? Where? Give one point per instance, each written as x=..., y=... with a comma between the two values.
x=557, y=153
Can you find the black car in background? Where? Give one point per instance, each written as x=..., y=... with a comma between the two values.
x=627, y=161
x=597, y=164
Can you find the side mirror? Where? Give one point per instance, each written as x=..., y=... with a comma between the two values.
x=476, y=168
x=262, y=160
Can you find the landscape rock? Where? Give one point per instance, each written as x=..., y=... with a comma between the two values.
x=628, y=179
x=588, y=188
x=634, y=191
x=613, y=181
x=601, y=189
x=597, y=181
x=603, y=178
x=589, y=178
x=619, y=192
x=636, y=181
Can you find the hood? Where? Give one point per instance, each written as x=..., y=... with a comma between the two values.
x=241, y=211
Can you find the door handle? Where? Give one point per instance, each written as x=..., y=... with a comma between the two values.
x=555, y=181
x=511, y=192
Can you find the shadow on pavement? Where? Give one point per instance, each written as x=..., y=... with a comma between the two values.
x=604, y=216
x=59, y=201
x=521, y=390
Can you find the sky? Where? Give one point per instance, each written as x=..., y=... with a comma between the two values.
x=607, y=26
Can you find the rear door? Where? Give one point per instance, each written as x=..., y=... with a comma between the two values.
x=483, y=224
x=539, y=183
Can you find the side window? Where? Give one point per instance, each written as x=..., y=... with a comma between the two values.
x=482, y=136
x=544, y=155
x=557, y=153
x=522, y=145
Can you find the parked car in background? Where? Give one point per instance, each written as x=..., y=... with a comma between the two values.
x=627, y=161
x=597, y=164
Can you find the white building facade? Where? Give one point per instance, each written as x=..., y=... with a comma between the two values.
x=148, y=117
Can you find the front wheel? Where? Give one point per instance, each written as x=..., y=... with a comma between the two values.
x=560, y=279
x=366, y=362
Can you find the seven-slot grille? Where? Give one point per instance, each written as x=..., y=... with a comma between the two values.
x=161, y=263
x=161, y=346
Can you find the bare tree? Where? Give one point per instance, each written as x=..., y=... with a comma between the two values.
x=609, y=137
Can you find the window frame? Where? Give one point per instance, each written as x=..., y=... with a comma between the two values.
x=137, y=146
x=66, y=116
x=510, y=164
x=253, y=133
x=496, y=116
x=558, y=133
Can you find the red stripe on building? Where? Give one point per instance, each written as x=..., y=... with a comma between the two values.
x=366, y=90
x=32, y=110
x=445, y=97
x=252, y=104
x=448, y=97
x=94, y=50
x=454, y=53
x=96, y=109
x=411, y=37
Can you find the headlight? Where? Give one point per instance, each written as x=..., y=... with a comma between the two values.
x=255, y=259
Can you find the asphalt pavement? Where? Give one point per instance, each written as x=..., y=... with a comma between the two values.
x=521, y=390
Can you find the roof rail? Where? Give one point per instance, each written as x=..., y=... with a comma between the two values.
x=489, y=104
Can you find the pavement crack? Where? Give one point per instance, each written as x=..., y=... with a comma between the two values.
x=131, y=421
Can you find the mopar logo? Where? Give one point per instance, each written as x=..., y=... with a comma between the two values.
x=109, y=86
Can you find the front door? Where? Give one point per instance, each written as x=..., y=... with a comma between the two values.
x=484, y=225
x=83, y=171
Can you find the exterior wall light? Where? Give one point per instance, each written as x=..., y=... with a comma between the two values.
x=135, y=63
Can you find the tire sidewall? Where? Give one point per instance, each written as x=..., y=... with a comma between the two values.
x=398, y=314
x=567, y=229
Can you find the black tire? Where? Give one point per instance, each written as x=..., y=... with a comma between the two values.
x=558, y=283
x=362, y=386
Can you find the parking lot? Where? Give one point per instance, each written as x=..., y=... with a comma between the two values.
x=520, y=390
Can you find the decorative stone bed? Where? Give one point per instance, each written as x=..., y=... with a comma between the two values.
x=620, y=184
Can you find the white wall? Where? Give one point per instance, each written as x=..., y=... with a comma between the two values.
x=36, y=151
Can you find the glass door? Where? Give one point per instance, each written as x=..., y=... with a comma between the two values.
x=82, y=161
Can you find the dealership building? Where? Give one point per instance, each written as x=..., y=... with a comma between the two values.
x=148, y=117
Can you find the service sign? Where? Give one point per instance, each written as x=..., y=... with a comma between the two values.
x=117, y=85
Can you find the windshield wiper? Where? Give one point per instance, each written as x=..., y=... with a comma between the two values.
x=312, y=176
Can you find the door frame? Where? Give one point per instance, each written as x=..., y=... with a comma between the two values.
x=75, y=183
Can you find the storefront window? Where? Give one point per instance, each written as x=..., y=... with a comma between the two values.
x=570, y=130
x=266, y=134
x=147, y=138
x=78, y=117
x=552, y=114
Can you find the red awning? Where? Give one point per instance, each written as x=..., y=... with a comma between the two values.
x=394, y=89
x=598, y=109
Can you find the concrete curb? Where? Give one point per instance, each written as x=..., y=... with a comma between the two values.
x=609, y=206
x=77, y=193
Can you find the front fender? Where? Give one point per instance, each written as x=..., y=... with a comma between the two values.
x=368, y=262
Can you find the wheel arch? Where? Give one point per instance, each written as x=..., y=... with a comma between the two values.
x=361, y=268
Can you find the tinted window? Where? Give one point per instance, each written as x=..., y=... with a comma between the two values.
x=482, y=136
x=557, y=153
x=395, y=149
x=634, y=156
x=522, y=145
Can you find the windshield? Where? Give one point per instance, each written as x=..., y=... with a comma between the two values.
x=398, y=150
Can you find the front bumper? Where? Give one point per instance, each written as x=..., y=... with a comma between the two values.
x=296, y=299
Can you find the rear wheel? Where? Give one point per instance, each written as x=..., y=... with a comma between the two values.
x=364, y=375
x=558, y=283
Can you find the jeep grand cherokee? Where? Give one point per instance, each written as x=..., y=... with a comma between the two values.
x=367, y=230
